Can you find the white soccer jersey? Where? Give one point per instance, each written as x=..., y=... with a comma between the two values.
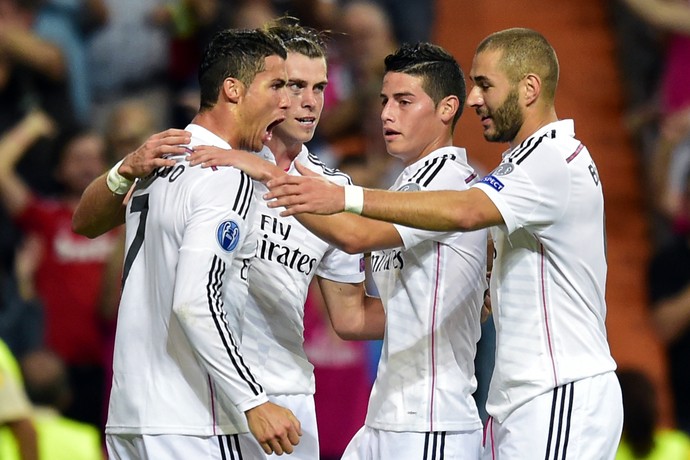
x=432, y=290
x=549, y=273
x=287, y=258
x=177, y=367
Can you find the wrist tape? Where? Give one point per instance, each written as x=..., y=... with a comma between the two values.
x=354, y=199
x=117, y=183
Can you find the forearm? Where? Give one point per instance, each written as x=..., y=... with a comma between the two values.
x=437, y=210
x=671, y=16
x=672, y=317
x=13, y=146
x=18, y=139
x=353, y=313
x=350, y=233
x=25, y=434
x=368, y=323
x=99, y=210
x=35, y=52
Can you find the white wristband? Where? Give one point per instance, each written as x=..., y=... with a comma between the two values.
x=354, y=199
x=117, y=183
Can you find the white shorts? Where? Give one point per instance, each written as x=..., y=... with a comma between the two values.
x=372, y=444
x=580, y=420
x=176, y=447
x=303, y=408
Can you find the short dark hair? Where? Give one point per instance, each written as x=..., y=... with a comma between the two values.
x=237, y=53
x=298, y=38
x=440, y=72
x=525, y=51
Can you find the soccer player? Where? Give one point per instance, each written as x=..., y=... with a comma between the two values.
x=181, y=387
x=431, y=283
x=287, y=255
x=554, y=393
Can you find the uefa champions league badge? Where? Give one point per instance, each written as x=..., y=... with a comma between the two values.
x=228, y=235
x=503, y=170
x=492, y=178
x=409, y=187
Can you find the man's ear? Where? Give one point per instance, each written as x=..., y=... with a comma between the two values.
x=448, y=107
x=232, y=89
x=532, y=86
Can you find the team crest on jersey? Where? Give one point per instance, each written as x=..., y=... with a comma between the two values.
x=503, y=170
x=410, y=187
x=228, y=235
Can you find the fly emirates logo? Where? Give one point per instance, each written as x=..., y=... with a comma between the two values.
x=387, y=260
x=272, y=246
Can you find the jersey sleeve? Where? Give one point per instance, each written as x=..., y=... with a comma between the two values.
x=341, y=267
x=530, y=193
x=337, y=265
x=216, y=232
x=451, y=177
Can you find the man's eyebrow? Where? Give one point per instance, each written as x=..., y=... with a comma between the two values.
x=303, y=82
x=403, y=94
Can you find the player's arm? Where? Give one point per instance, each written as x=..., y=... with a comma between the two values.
x=354, y=315
x=435, y=210
x=671, y=16
x=350, y=233
x=24, y=433
x=99, y=209
x=672, y=315
x=257, y=168
x=14, y=144
x=102, y=205
x=204, y=276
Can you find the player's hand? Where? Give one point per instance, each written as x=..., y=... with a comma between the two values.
x=275, y=428
x=490, y=253
x=306, y=193
x=486, y=307
x=257, y=168
x=39, y=123
x=149, y=155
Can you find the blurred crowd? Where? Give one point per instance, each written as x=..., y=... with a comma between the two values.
x=84, y=82
x=653, y=43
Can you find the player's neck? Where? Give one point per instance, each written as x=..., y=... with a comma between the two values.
x=283, y=152
x=532, y=124
x=220, y=125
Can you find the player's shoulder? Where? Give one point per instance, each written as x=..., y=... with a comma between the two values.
x=553, y=144
x=335, y=175
x=444, y=169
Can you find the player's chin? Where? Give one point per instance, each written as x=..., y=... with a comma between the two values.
x=256, y=143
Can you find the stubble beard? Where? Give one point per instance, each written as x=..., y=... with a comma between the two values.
x=507, y=120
